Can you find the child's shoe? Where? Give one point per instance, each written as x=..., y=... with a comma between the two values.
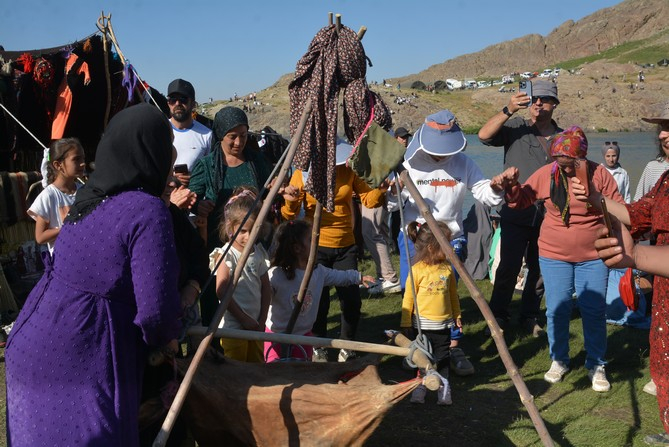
x=346, y=355
x=444, y=395
x=460, y=364
x=418, y=395
x=320, y=355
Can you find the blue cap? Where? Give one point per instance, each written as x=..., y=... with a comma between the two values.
x=440, y=135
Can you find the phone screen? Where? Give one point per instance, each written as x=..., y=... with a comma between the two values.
x=181, y=169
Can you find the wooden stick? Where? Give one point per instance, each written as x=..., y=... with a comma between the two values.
x=402, y=348
x=361, y=32
x=329, y=18
x=338, y=21
x=313, y=250
x=187, y=381
x=512, y=370
x=102, y=26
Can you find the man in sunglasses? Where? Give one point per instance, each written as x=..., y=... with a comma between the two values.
x=191, y=138
x=526, y=143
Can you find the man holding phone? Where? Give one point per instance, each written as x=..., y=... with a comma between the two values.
x=526, y=145
x=192, y=139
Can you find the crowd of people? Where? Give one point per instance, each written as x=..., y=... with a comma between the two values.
x=171, y=203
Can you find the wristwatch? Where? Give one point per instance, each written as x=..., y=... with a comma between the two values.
x=506, y=111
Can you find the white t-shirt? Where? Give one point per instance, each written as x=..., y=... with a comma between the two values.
x=443, y=185
x=284, y=296
x=191, y=144
x=51, y=205
x=247, y=293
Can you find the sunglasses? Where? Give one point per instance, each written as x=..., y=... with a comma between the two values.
x=544, y=99
x=607, y=143
x=174, y=99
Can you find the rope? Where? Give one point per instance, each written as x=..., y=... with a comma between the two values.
x=24, y=127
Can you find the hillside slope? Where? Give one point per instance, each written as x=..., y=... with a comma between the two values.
x=601, y=56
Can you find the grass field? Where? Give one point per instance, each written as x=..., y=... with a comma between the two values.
x=486, y=408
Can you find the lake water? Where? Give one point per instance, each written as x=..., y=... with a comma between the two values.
x=636, y=150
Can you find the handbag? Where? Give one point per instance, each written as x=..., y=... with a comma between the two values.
x=627, y=287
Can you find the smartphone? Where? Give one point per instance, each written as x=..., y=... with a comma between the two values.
x=181, y=169
x=526, y=87
x=607, y=217
x=581, y=168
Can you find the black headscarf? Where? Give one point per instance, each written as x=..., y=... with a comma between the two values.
x=135, y=152
x=225, y=120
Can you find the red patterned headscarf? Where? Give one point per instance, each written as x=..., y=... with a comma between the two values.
x=570, y=143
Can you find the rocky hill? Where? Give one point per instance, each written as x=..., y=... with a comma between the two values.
x=601, y=56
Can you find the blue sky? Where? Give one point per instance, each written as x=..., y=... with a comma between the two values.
x=226, y=47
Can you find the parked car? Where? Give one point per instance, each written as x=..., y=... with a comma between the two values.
x=453, y=84
x=526, y=75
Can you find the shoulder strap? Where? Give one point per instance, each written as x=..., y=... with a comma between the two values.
x=540, y=138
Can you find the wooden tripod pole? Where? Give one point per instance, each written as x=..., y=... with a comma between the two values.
x=512, y=370
x=187, y=381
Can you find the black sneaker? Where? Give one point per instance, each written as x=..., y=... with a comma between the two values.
x=532, y=326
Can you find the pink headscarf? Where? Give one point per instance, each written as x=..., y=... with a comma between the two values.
x=570, y=143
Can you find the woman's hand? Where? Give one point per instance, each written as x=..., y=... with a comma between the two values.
x=289, y=193
x=505, y=180
x=579, y=191
x=182, y=197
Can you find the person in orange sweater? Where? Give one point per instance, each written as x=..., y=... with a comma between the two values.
x=336, y=246
x=567, y=256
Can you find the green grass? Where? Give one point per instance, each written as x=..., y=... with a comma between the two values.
x=486, y=409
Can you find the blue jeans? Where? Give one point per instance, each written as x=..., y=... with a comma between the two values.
x=460, y=247
x=588, y=280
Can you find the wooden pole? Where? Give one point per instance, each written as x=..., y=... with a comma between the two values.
x=512, y=370
x=313, y=250
x=402, y=345
x=102, y=26
x=187, y=381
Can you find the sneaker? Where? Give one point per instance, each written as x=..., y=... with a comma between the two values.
x=531, y=325
x=444, y=395
x=650, y=388
x=418, y=395
x=460, y=365
x=500, y=321
x=320, y=355
x=385, y=287
x=557, y=371
x=658, y=439
x=599, y=381
x=345, y=355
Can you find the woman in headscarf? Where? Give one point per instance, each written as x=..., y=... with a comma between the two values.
x=567, y=256
x=75, y=355
x=231, y=163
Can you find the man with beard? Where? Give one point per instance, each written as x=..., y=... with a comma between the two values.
x=526, y=145
x=191, y=138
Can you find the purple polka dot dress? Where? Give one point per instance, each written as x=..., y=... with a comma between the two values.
x=75, y=356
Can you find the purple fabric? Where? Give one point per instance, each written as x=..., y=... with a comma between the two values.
x=75, y=356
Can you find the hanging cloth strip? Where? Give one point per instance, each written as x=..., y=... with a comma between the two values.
x=64, y=99
x=334, y=60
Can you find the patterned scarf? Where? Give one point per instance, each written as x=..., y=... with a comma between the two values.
x=334, y=60
x=571, y=143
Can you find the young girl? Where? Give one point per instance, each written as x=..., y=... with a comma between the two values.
x=611, y=154
x=250, y=301
x=437, y=300
x=66, y=162
x=292, y=241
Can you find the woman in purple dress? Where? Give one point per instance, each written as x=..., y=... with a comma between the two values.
x=75, y=356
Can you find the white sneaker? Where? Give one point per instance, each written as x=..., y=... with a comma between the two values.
x=346, y=354
x=650, y=388
x=320, y=355
x=599, y=381
x=444, y=395
x=385, y=287
x=418, y=395
x=557, y=371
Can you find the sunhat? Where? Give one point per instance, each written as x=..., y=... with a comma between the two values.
x=664, y=116
x=440, y=135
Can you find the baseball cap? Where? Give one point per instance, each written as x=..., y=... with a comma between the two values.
x=181, y=87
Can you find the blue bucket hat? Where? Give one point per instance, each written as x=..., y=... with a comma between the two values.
x=344, y=151
x=440, y=136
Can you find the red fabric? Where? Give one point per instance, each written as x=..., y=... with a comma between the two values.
x=651, y=212
x=64, y=100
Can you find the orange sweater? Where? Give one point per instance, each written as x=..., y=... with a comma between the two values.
x=336, y=227
x=576, y=242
